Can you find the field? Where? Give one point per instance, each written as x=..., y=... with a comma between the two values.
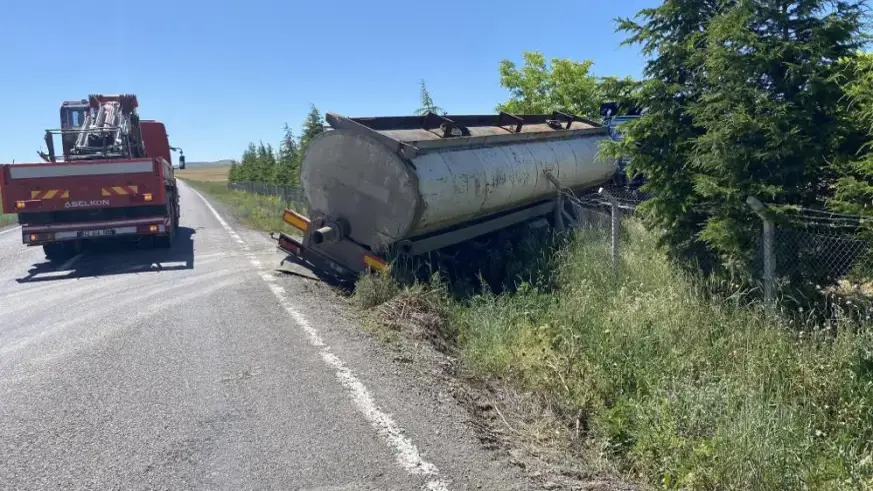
x=216, y=173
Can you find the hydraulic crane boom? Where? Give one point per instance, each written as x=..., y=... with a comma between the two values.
x=100, y=127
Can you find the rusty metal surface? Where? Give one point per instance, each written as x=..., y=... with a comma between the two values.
x=410, y=129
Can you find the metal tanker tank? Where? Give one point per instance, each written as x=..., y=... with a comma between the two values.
x=426, y=182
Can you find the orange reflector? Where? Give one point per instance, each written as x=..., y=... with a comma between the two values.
x=296, y=220
x=19, y=204
x=147, y=196
x=153, y=228
x=33, y=237
x=375, y=263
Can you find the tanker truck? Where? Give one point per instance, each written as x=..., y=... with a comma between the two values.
x=410, y=185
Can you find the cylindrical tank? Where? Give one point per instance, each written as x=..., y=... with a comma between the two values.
x=395, y=178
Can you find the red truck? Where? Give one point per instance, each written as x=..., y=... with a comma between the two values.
x=115, y=179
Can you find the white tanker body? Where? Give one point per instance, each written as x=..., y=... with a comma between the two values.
x=421, y=183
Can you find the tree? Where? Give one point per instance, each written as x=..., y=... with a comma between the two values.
x=233, y=175
x=288, y=162
x=248, y=167
x=742, y=99
x=427, y=104
x=854, y=190
x=266, y=163
x=313, y=125
x=561, y=85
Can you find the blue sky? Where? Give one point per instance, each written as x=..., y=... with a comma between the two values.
x=221, y=74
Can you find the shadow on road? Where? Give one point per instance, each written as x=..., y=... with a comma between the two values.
x=293, y=265
x=119, y=257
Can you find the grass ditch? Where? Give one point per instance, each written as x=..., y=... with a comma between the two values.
x=650, y=376
x=646, y=374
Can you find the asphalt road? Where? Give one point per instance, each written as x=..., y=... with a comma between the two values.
x=200, y=367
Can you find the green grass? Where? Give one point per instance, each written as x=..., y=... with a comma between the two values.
x=259, y=212
x=673, y=386
x=6, y=220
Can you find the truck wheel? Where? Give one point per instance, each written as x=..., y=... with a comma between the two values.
x=56, y=250
x=166, y=241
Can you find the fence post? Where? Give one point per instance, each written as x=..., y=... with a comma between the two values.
x=768, y=233
x=615, y=220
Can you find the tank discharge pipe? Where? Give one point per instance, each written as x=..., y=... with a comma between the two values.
x=330, y=233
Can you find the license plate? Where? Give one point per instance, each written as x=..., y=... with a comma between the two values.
x=96, y=233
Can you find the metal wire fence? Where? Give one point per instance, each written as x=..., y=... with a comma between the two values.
x=812, y=254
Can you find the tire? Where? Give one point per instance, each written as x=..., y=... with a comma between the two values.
x=56, y=251
x=166, y=241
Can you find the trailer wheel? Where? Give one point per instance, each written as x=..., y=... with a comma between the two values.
x=57, y=250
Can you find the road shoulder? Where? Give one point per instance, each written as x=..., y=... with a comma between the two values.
x=419, y=396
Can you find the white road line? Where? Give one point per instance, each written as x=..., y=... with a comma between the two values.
x=405, y=451
x=10, y=230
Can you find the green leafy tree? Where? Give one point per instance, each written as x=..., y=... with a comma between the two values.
x=288, y=162
x=427, y=104
x=313, y=125
x=540, y=87
x=742, y=99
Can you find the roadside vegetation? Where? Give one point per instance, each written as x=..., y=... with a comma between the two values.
x=672, y=373
x=7, y=219
x=652, y=375
x=256, y=211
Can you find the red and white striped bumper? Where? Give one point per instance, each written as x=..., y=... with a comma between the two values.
x=39, y=234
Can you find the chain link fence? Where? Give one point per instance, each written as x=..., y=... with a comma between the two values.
x=810, y=257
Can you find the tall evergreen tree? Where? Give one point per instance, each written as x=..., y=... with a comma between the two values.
x=742, y=99
x=288, y=165
x=313, y=125
x=233, y=175
x=427, y=104
x=248, y=167
x=854, y=193
x=265, y=163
